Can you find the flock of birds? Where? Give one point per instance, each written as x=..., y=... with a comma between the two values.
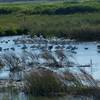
x=6, y=49
x=49, y=47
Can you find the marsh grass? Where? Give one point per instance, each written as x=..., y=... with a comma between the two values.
x=49, y=8
x=77, y=26
x=80, y=21
x=43, y=82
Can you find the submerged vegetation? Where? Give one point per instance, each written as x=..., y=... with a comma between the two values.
x=78, y=20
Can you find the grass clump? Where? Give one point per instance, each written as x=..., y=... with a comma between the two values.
x=43, y=83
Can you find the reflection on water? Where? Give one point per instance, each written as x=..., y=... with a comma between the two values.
x=21, y=96
x=58, y=98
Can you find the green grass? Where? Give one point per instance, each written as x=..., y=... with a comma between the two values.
x=48, y=7
x=68, y=26
x=79, y=21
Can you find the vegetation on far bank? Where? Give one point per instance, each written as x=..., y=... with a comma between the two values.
x=53, y=8
x=80, y=21
x=76, y=26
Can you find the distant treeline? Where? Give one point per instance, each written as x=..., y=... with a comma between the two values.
x=47, y=9
x=43, y=0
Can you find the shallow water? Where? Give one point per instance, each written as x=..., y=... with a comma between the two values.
x=21, y=96
x=83, y=56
